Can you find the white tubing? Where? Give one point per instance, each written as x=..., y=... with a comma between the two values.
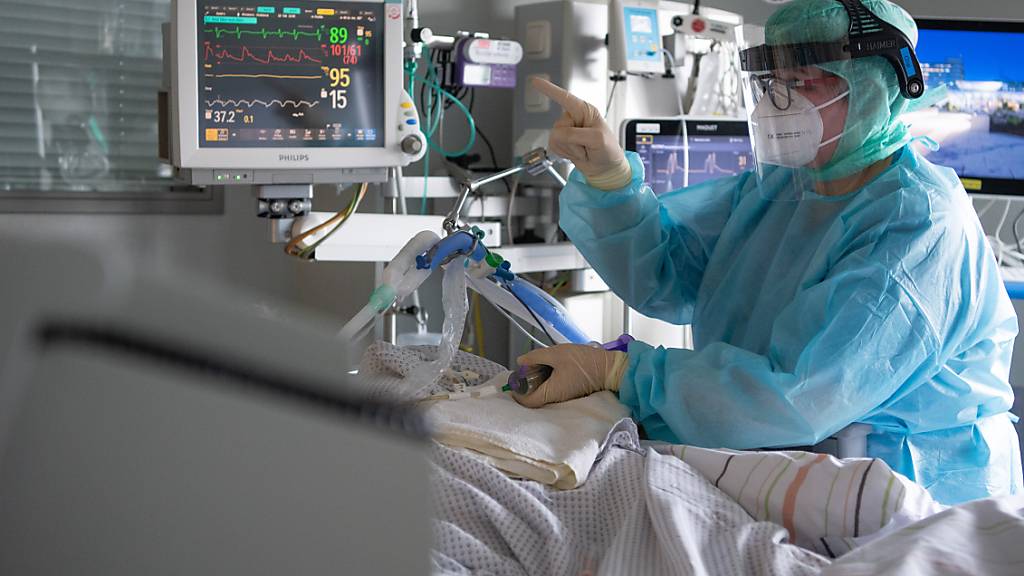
x=500, y=297
x=400, y=188
x=406, y=257
x=402, y=272
x=453, y=293
x=401, y=275
x=357, y=323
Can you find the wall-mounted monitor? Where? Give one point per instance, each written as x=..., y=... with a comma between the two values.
x=980, y=127
x=682, y=152
x=281, y=91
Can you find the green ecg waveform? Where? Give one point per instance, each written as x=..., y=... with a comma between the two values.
x=263, y=32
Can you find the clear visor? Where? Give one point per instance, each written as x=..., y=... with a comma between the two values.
x=797, y=119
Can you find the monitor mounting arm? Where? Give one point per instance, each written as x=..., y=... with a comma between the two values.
x=534, y=162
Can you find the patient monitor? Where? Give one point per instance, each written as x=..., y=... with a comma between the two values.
x=287, y=93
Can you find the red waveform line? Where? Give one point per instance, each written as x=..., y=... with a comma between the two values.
x=271, y=57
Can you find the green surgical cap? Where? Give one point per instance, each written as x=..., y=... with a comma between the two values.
x=873, y=128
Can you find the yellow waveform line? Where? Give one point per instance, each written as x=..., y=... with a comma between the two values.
x=266, y=76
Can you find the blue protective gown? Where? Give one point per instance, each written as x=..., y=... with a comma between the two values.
x=884, y=306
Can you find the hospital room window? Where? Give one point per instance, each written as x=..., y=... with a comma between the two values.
x=78, y=109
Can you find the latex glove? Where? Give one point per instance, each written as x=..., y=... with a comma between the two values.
x=582, y=136
x=577, y=371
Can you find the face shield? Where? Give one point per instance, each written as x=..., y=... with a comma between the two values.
x=798, y=101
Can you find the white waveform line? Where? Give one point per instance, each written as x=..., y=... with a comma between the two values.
x=251, y=103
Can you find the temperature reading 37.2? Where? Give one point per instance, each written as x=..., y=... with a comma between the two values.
x=281, y=75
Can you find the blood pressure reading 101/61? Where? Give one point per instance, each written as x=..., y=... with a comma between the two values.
x=281, y=75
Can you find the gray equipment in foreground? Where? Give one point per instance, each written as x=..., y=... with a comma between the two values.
x=153, y=427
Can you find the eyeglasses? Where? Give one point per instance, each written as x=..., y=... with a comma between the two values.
x=779, y=90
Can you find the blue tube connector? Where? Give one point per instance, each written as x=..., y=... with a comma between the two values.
x=459, y=244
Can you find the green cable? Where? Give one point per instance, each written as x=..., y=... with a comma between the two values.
x=410, y=69
x=432, y=122
x=439, y=119
x=462, y=107
x=426, y=118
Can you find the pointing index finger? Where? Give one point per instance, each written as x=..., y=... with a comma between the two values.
x=571, y=104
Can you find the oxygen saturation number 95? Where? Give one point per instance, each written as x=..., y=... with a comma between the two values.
x=339, y=81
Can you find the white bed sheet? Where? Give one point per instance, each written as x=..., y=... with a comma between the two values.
x=642, y=512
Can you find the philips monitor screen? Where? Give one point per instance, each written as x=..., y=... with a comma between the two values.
x=680, y=153
x=290, y=74
x=980, y=127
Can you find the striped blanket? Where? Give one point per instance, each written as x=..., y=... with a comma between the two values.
x=828, y=505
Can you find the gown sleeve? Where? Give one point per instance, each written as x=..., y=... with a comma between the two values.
x=650, y=250
x=839, y=350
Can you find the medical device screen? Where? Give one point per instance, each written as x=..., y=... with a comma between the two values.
x=290, y=74
x=717, y=149
x=664, y=158
x=708, y=150
x=980, y=126
x=643, y=42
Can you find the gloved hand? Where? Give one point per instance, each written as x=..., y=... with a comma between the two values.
x=582, y=136
x=578, y=371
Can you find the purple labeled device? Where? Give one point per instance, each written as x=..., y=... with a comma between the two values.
x=487, y=63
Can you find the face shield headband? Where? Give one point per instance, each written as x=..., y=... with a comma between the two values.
x=869, y=36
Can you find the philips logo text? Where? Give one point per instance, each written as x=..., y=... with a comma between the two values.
x=707, y=127
x=293, y=157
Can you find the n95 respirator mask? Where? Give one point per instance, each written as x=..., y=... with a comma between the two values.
x=790, y=137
